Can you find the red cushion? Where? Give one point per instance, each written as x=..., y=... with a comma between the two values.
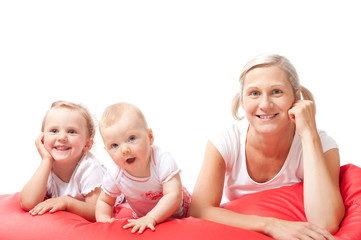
x=285, y=203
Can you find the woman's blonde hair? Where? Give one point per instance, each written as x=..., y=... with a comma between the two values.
x=73, y=106
x=267, y=60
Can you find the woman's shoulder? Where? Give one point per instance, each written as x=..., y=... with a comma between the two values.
x=231, y=131
x=326, y=140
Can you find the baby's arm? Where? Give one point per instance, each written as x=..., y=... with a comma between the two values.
x=35, y=189
x=104, y=208
x=167, y=205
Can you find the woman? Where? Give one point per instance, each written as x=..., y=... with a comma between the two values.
x=277, y=144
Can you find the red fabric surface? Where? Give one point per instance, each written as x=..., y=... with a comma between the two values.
x=285, y=203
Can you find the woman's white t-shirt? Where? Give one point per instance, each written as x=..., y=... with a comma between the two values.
x=231, y=145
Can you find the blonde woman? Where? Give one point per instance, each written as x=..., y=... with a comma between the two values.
x=277, y=144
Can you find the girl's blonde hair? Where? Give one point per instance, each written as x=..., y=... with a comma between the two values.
x=73, y=106
x=267, y=60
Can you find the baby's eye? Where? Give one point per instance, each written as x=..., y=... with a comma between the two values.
x=72, y=131
x=131, y=138
x=114, y=145
x=53, y=131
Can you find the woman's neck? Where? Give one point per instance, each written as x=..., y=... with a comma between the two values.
x=273, y=145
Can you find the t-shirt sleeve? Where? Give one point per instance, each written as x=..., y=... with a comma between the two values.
x=92, y=176
x=109, y=185
x=166, y=166
x=327, y=142
x=227, y=142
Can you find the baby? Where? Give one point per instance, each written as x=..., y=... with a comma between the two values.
x=146, y=175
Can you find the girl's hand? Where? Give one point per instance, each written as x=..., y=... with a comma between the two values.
x=39, y=142
x=141, y=224
x=286, y=230
x=302, y=115
x=50, y=205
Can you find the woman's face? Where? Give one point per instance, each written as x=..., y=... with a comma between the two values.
x=266, y=98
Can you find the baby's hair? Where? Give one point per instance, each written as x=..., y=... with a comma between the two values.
x=73, y=106
x=114, y=113
x=268, y=60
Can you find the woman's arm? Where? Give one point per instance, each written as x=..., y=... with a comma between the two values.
x=34, y=191
x=322, y=198
x=167, y=205
x=207, y=196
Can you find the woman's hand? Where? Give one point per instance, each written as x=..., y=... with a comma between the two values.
x=302, y=115
x=39, y=142
x=286, y=230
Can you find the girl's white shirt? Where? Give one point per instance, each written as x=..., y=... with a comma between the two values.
x=87, y=176
x=230, y=142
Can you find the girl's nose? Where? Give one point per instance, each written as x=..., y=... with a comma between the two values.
x=62, y=137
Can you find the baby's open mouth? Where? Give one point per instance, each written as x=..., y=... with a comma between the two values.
x=130, y=160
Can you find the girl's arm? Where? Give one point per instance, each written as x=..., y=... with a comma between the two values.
x=322, y=198
x=104, y=208
x=85, y=209
x=207, y=196
x=34, y=191
x=167, y=205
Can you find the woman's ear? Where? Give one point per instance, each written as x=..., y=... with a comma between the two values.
x=88, y=145
x=151, y=137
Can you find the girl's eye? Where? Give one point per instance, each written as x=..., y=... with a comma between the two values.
x=114, y=145
x=132, y=138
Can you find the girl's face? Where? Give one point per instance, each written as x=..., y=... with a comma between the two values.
x=128, y=142
x=267, y=97
x=66, y=134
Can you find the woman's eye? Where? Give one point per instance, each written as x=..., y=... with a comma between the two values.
x=132, y=138
x=277, y=91
x=254, y=94
x=114, y=145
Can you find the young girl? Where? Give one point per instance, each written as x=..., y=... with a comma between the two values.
x=146, y=175
x=69, y=177
x=277, y=144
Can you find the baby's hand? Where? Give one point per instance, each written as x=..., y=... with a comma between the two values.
x=51, y=205
x=141, y=224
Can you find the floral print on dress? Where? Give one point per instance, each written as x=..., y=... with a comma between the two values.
x=153, y=196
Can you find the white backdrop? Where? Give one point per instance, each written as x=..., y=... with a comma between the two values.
x=179, y=61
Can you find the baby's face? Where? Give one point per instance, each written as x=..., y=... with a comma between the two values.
x=128, y=142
